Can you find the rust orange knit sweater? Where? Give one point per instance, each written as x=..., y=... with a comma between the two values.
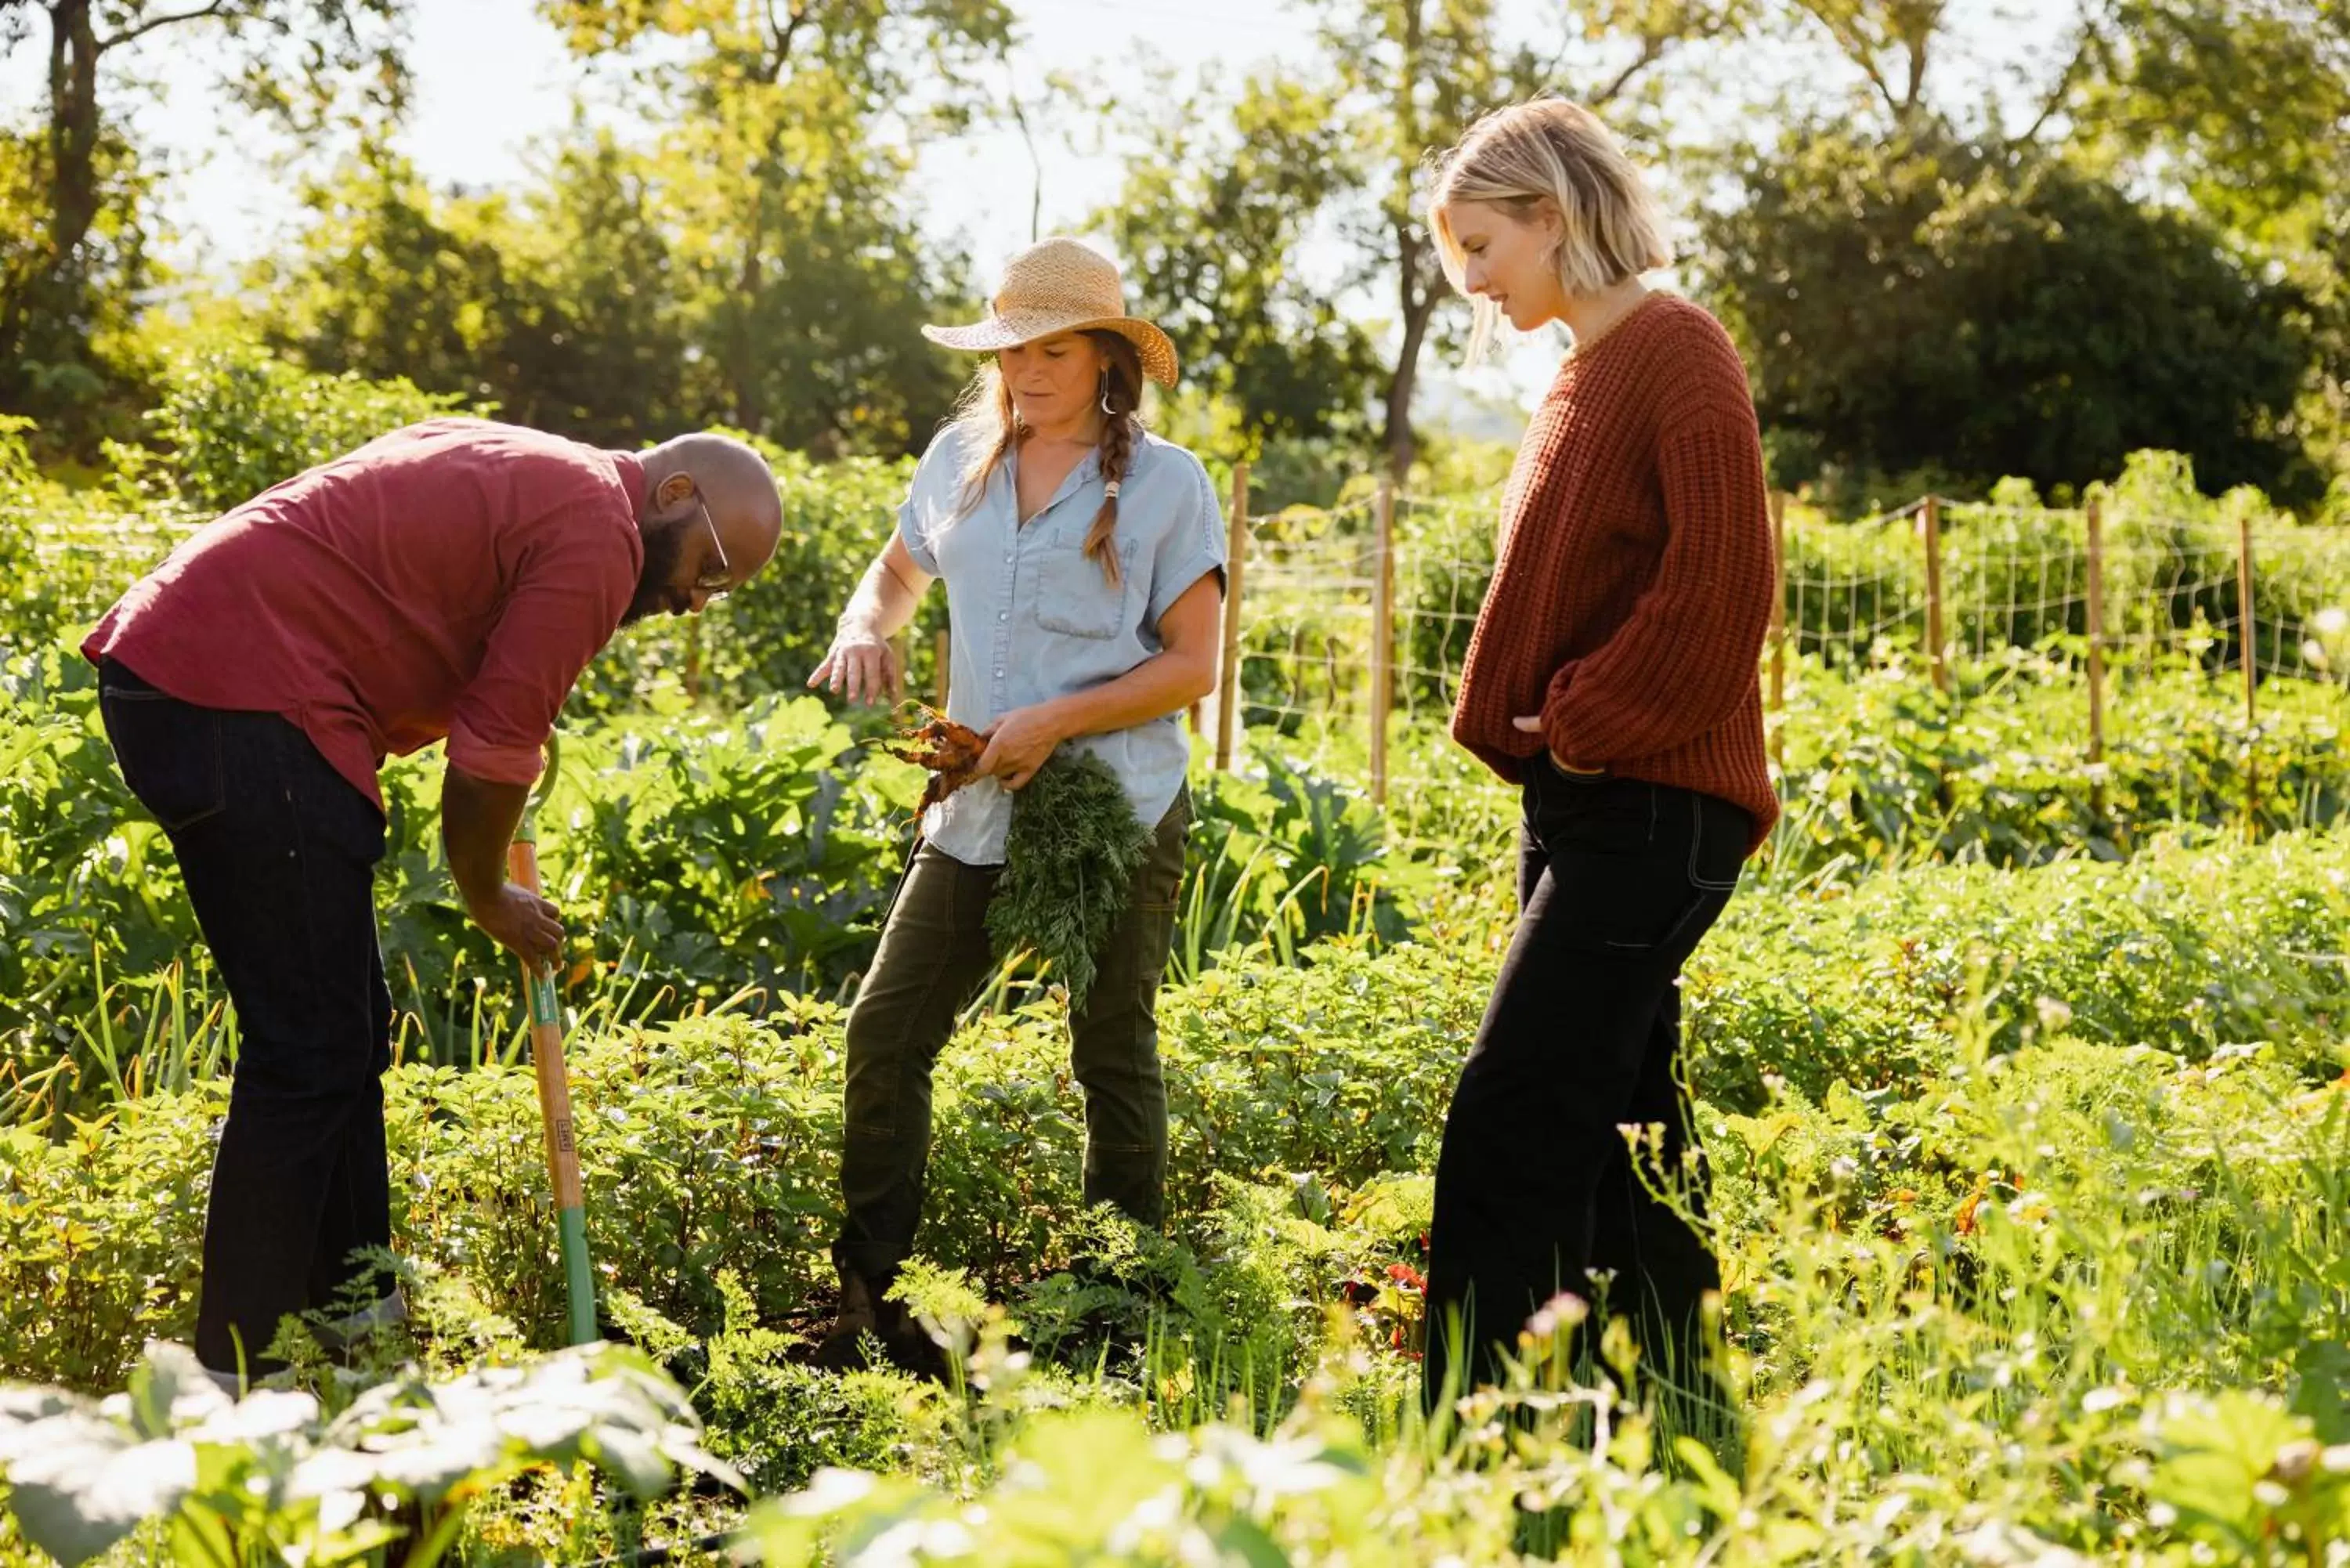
x=1633, y=588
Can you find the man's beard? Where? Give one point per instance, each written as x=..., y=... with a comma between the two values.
x=664, y=541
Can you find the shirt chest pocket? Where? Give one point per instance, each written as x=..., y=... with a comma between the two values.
x=1073, y=594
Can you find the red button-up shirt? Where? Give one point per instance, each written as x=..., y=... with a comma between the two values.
x=452, y=579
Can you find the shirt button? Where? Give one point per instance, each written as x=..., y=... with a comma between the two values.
x=1004, y=614
x=999, y=675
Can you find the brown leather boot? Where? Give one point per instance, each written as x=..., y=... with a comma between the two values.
x=865, y=1308
x=842, y=1348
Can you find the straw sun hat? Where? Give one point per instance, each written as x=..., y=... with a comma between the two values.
x=1061, y=285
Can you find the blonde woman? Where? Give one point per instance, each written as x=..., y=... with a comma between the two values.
x=1612, y=677
x=1084, y=565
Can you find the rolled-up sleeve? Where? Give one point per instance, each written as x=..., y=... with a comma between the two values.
x=911, y=533
x=568, y=599
x=1191, y=541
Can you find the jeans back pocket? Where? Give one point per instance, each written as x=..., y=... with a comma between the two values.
x=169, y=752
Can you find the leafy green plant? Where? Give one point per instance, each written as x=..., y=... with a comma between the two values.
x=1069, y=862
x=227, y=1479
x=1283, y=855
x=780, y=1422
x=238, y=419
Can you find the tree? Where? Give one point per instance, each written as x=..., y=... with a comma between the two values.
x=2238, y=110
x=799, y=268
x=754, y=264
x=57, y=318
x=557, y=302
x=287, y=57
x=1931, y=303
x=390, y=279
x=1889, y=42
x=1341, y=148
x=1210, y=223
x=2244, y=107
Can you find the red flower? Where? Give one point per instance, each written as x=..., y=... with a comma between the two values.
x=1406, y=1276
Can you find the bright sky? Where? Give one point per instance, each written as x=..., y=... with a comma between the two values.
x=491, y=77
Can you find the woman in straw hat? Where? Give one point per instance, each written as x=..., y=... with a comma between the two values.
x=1612, y=677
x=1084, y=565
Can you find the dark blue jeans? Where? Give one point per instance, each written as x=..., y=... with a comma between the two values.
x=279, y=852
x=1536, y=1188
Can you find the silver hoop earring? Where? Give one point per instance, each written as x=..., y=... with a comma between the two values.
x=1105, y=400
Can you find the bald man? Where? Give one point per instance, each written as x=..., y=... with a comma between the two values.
x=451, y=579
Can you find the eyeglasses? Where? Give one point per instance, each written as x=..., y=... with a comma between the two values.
x=709, y=584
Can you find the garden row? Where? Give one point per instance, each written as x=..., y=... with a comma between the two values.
x=2030, y=1185
x=712, y=1139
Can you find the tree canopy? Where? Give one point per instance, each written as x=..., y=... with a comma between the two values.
x=2139, y=236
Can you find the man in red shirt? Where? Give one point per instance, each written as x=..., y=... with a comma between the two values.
x=451, y=579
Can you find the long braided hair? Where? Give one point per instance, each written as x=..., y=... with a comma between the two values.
x=986, y=406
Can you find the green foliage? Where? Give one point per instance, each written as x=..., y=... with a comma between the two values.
x=1219, y=1497
x=274, y=1473
x=1069, y=862
x=1923, y=302
x=1448, y=547
x=85, y=1288
x=2195, y=950
x=1222, y=189
x=780, y=1423
x=76, y=199
x=238, y=421
x=755, y=264
x=67, y=553
x=2020, y=1166
x=1247, y=176
x=699, y=859
x=66, y=322
x=1283, y=856
x=714, y=1138
x=766, y=636
x=75, y=860
x=557, y=302
x=702, y=860
x=713, y=855
x=1881, y=768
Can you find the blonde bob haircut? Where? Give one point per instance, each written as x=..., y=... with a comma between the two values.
x=1551, y=151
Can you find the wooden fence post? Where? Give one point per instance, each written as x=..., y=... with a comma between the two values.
x=2096, y=589
x=1228, y=679
x=941, y=659
x=2248, y=628
x=1936, y=661
x=1382, y=635
x=1779, y=629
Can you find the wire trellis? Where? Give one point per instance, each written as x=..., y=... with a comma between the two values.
x=2014, y=603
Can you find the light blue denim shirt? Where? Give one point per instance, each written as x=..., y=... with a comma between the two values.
x=1030, y=618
